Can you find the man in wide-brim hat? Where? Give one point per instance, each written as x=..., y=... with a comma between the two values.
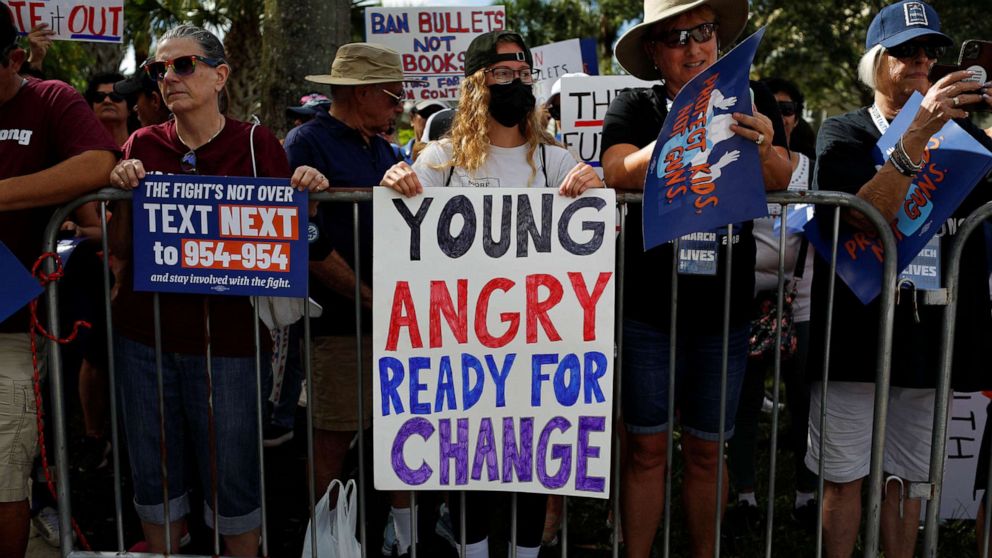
x=677, y=41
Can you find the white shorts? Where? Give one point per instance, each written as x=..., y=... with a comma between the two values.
x=908, y=432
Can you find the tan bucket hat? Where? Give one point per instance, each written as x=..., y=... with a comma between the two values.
x=730, y=14
x=362, y=64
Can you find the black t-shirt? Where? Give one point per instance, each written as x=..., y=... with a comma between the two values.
x=845, y=163
x=636, y=117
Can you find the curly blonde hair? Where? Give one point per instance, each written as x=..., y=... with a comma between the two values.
x=469, y=135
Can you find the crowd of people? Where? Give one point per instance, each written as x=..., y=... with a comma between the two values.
x=170, y=117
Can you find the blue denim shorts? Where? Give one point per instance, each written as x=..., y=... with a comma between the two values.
x=697, y=382
x=184, y=381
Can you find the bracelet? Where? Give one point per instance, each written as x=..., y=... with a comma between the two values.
x=900, y=166
x=907, y=162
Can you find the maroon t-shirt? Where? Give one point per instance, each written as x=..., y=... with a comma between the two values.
x=231, y=317
x=45, y=123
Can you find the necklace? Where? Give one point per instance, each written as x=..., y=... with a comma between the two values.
x=223, y=122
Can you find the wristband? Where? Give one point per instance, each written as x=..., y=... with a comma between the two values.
x=907, y=162
x=900, y=166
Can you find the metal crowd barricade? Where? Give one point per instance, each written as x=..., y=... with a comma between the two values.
x=943, y=394
x=785, y=199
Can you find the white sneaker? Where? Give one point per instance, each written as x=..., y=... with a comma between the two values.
x=47, y=525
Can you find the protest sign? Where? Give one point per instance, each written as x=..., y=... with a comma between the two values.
x=71, y=20
x=584, y=101
x=220, y=235
x=554, y=60
x=493, y=340
x=958, y=499
x=702, y=175
x=932, y=197
x=431, y=42
x=18, y=286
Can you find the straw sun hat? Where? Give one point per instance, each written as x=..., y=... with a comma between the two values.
x=730, y=14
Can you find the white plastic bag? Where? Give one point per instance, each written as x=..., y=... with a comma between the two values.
x=335, y=527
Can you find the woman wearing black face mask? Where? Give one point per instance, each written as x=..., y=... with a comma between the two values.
x=496, y=141
x=497, y=138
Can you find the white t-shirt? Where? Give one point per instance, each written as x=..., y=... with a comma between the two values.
x=766, y=242
x=505, y=167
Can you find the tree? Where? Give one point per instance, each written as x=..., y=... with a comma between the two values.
x=300, y=37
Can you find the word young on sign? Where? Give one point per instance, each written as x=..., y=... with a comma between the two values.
x=702, y=175
x=493, y=340
x=584, y=102
x=220, y=235
x=431, y=42
x=71, y=20
x=954, y=162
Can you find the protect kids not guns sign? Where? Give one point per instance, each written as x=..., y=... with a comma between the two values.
x=220, y=235
x=702, y=175
x=954, y=163
x=493, y=340
x=431, y=42
x=71, y=20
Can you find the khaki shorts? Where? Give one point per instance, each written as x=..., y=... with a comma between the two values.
x=18, y=422
x=335, y=383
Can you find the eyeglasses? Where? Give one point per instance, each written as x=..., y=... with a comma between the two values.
x=397, y=99
x=909, y=49
x=181, y=65
x=188, y=162
x=787, y=108
x=504, y=75
x=701, y=33
x=97, y=97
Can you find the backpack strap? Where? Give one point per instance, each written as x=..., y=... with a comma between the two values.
x=544, y=167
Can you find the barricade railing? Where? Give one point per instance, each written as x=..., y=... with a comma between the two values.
x=839, y=201
x=943, y=394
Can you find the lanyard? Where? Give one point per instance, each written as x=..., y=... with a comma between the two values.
x=880, y=122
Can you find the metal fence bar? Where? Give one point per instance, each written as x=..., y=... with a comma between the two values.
x=463, y=536
x=361, y=383
x=258, y=424
x=617, y=374
x=943, y=392
x=211, y=426
x=722, y=434
x=413, y=524
x=670, y=438
x=564, y=527
x=308, y=375
x=513, y=525
x=111, y=378
x=163, y=451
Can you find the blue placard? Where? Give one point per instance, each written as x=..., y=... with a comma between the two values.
x=220, y=235
x=702, y=175
x=18, y=286
x=954, y=163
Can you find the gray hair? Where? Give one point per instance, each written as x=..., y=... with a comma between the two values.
x=868, y=65
x=211, y=45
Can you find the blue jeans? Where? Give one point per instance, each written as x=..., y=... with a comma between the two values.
x=697, y=381
x=185, y=393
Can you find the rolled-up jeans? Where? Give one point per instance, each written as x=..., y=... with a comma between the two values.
x=184, y=379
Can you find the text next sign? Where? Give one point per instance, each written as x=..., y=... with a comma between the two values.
x=220, y=235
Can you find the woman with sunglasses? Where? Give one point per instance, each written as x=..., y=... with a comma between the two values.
x=677, y=40
x=903, y=43
x=496, y=140
x=190, y=68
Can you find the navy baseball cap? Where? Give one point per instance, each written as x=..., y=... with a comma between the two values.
x=903, y=21
x=481, y=51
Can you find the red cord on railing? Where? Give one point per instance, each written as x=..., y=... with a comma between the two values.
x=38, y=329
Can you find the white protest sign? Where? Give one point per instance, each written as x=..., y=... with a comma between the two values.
x=584, y=101
x=958, y=499
x=553, y=61
x=493, y=340
x=431, y=42
x=72, y=20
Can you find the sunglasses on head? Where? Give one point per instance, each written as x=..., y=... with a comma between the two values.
x=181, y=65
x=787, y=108
x=99, y=96
x=188, y=162
x=701, y=33
x=910, y=48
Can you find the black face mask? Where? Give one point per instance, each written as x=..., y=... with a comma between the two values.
x=509, y=103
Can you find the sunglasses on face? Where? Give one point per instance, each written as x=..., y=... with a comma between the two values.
x=787, y=108
x=397, y=98
x=99, y=96
x=181, y=65
x=909, y=49
x=701, y=33
x=504, y=75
